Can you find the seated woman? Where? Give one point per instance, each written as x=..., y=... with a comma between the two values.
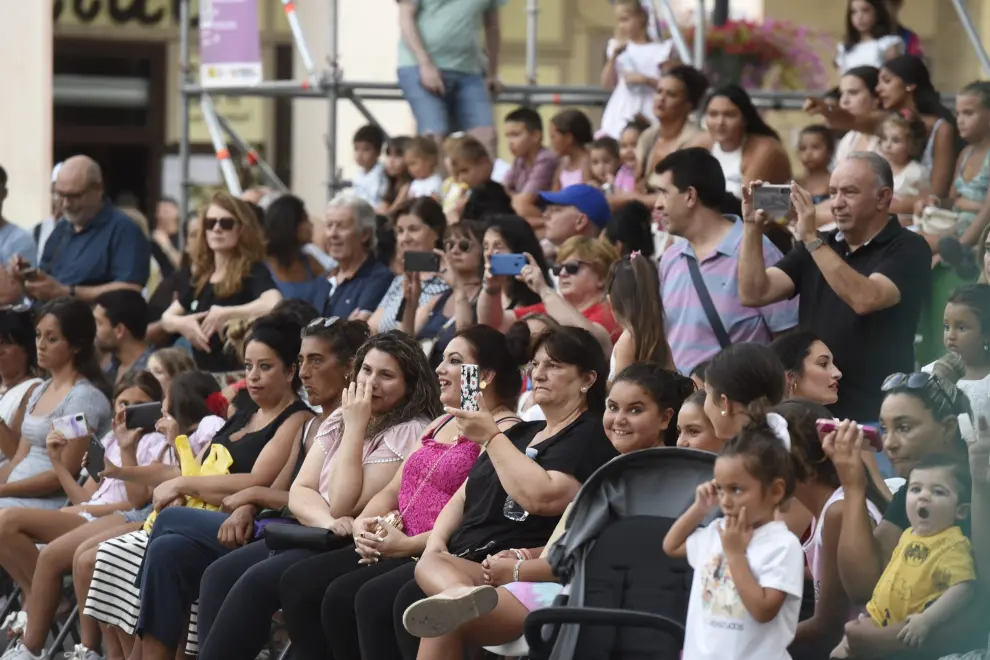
x=125, y=491
x=811, y=373
x=259, y=439
x=640, y=413
x=288, y=230
x=435, y=323
x=511, y=234
x=515, y=493
x=419, y=227
x=382, y=413
x=18, y=366
x=583, y=264
x=66, y=331
x=746, y=147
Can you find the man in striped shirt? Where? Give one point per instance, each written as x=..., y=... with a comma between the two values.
x=703, y=309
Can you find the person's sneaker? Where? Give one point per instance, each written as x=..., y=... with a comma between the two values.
x=19, y=652
x=15, y=624
x=446, y=612
x=959, y=257
x=80, y=652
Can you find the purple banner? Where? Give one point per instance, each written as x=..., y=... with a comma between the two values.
x=230, y=43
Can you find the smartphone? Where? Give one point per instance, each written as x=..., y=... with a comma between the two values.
x=775, y=200
x=95, y=458
x=421, y=262
x=871, y=433
x=143, y=416
x=470, y=387
x=71, y=426
x=506, y=264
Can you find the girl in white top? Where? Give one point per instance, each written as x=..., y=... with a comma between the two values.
x=748, y=567
x=869, y=40
x=902, y=142
x=967, y=336
x=633, y=68
x=18, y=361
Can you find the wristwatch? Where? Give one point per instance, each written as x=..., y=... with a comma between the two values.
x=811, y=246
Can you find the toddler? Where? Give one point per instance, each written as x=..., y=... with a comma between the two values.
x=422, y=158
x=902, y=142
x=603, y=155
x=816, y=147
x=452, y=189
x=369, y=183
x=625, y=180
x=396, y=176
x=748, y=567
x=694, y=429
x=570, y=133
x=930, y=574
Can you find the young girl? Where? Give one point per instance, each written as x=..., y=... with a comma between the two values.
x=422, y=158
x=869, y=40
x=397, y=177
x=816, y=148
x=631, y=288
x=902, y=142
x=748, y=567
x=694, y=429
x=603, y=154
x=972, y=181
x=570, y=133
x=625, y=180
x=632, y=69
x=452, y=189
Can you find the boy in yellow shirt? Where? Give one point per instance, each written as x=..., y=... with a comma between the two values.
x=929, y=576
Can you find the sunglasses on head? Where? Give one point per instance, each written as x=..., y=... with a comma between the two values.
x=571, y=268
x=463, y=244
x=913, y=381
x=20, y=309
x=226, y=224
x=326, y=322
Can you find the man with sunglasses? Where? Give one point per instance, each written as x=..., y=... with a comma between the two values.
x=95, y=248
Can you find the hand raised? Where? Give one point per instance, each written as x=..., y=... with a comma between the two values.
x=736, y=533
x=706, y=496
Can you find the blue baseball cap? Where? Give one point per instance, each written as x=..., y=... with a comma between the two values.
x=586, y=199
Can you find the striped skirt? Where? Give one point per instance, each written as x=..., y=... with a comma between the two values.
x=114, y=595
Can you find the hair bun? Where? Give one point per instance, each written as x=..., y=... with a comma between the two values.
x=949, y=368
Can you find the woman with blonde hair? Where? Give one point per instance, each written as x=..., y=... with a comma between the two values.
x=229, y=282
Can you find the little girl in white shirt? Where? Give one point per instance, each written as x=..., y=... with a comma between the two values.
x=422, y=157
x=902, y=141
x=748, y=567
x=869, y=36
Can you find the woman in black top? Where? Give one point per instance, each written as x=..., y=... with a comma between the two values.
x=514, y=495
x=229, y=282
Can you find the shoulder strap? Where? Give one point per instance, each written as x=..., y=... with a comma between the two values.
x=18, y=419
x=706, y=302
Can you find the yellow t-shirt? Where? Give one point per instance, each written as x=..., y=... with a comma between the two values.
x=921, y=569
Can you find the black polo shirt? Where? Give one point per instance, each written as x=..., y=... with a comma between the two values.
x=866, y=348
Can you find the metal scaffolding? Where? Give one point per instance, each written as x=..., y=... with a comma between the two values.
x=329, y=84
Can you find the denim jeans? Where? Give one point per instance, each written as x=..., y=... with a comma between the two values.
x=465, y=103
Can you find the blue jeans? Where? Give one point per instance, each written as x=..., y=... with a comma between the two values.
x=465, y=103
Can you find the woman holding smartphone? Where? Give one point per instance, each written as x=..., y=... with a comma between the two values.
x=66, y=331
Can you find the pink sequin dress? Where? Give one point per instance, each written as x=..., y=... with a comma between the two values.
x=430, y=477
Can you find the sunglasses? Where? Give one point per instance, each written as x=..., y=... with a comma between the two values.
x=943, y=402
x=20, y=309
x=571, y=268
x=326, y=322
x=226, y=224
x=899, y=381
x=464, y=245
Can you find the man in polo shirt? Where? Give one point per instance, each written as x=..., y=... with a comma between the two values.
x=358, y=284
x=94, y=248
x=862, y=285
x=698, y=276
x=579, y=210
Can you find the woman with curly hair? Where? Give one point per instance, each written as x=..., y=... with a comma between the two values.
x=229, y=282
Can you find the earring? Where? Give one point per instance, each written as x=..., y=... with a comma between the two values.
x=722, y=412
x=583, y=390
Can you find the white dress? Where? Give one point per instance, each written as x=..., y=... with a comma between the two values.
x=865, y=53
x=628, y=101
x=978, y=393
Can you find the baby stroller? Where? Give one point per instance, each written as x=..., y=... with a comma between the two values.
x=625, y=599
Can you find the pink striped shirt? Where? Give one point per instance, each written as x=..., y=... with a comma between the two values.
x=690, y=334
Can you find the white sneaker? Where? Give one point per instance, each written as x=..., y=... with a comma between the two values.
x=80, y=652
x=15, y=624
x=19, y=652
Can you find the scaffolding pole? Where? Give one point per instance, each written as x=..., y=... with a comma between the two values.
x=332, y=93
x=700, y=49
x=184, y=79
x=253, y=159
x=973, y=34
x=220, y=145
x=666, y=13
x=532, y=16
x=300, y=38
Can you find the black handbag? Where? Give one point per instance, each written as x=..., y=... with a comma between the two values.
x=280, y=537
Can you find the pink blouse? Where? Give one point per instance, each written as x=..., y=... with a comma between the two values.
x=430, y=478
x=390, y=446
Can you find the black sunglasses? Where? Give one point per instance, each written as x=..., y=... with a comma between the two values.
x=899, y=381
x=226, y=224
x=571, y=268
x=464, y=245
x=943, y=402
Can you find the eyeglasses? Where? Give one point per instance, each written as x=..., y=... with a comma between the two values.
x=571, y=268
x=326, y=322
x=226, y=224
x=464, y=245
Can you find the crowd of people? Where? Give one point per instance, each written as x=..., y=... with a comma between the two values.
x=310, y=457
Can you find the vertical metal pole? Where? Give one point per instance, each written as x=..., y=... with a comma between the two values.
x=720, y=14
x=220, y=145
x=666, y=14
x=184, y=78
x=532, y=16
x=973, y=34
x=300, y=40
x=332, y=96
x=699, y=35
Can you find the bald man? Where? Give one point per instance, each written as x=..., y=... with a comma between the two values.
x=94, y=248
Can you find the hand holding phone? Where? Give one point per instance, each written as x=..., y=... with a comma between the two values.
x=470, y=387
x=421, y=262
x=143, y=416
x=95, y=459
x=506, y=264
x=71, y=426
x=774, y=200
x=871, y=433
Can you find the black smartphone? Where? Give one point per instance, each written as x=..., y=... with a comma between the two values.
x=421, y=262
x=143, y=416
x=95, y=458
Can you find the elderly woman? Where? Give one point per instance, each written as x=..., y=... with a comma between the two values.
x=640, y=412
x=359, y=282
x=514, y=495
x=229, y=282
x=582, y=267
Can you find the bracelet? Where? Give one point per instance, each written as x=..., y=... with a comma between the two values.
x=515, y=570
x=484, y=447
x=518, y=553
